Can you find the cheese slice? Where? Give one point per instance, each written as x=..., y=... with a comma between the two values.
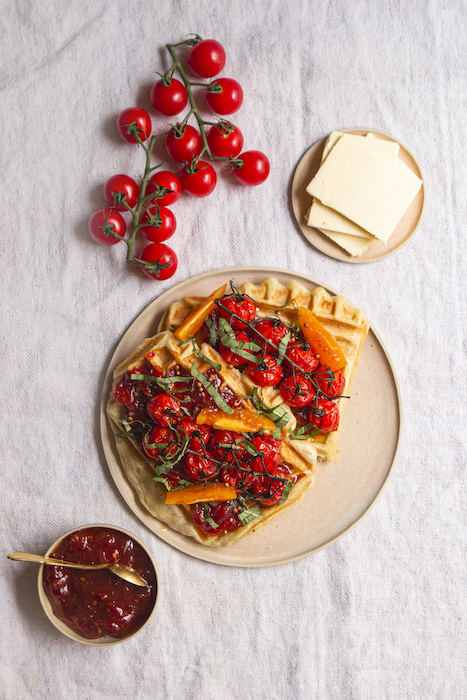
x=364, y=188
x=388, y=150
x=328, y=219
x=352, y=244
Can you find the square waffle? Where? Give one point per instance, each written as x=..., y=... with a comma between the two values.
x=163, y=351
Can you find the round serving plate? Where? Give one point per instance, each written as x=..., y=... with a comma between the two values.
x=301, y=201
x=343, y=490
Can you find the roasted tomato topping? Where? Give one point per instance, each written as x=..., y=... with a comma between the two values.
x=164, y=410
x=297, y=390
x=229, y=355
x=331, y=383
x=227, y=446
x=237, y=308
x=302, y=356
x=267, y=373
x=159, y=443
x=215, y=518
x=324, y=416
x=273, y=330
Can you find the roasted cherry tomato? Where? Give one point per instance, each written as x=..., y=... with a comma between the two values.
x=134, y=121
x=230, y=356
x=269, y=454
x=271, y=490
x=222, y=514
x=273, y=330
x=201, y=182
x=302, y=357
x=206, y=58
x=224, y=96
x=119, y=189
x=297, y=390
x=164, y=223
x=225, y=140
x=237, y=305
x=159, y=442
x=184, y=143
x=103, y=223
x=267, y=373
x=164, y=410
x=200, y=466
x=324, y=416
x=169, y=99
x=189, y=427
x=254, y=169
x=331, y=383
x=226, y=446
x=164, y=179
x=164, y=259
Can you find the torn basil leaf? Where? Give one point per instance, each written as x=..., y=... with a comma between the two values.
x=249, y=514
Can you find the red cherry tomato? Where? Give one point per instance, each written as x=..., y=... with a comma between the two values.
x=324, y=416
x=225, y=140
x=164, y=179
x=206, y=58
x=119, y=189
x=255, y=168
x=201, y=182
x=240, y=306
x=229, y=355
x=159, y=442
x=164, y=259
x=188, y=426
x=169, y=99
x=131, y=121
x=267, y=373
x=234, y=450
x=331, y=383
x=270, y=454
x=273, y=330
x=184, y=143
x=105, y=221
x=224, y=96
x=199, y=466
x=297, y=390
x=164, y=224
x=164, y=410
x=270, y=491
x=302, y=357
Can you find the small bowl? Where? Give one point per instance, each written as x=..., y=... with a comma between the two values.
x=60, y=625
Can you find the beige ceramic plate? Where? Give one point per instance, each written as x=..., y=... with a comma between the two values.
x=301, y=200
x=343, y=491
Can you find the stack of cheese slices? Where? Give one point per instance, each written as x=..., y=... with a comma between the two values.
x=361, y=191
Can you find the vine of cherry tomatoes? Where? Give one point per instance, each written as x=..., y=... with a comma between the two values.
x=194, y=146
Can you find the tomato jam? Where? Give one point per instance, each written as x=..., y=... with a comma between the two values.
x=97, y=603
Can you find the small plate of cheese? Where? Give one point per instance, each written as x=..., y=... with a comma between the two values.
x=358, y=195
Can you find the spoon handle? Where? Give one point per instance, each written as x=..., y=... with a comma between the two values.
x=38, y=559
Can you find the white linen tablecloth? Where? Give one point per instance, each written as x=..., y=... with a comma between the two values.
x=380, y=613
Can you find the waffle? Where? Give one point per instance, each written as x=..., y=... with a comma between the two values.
x=164, y=351
x=347, y=324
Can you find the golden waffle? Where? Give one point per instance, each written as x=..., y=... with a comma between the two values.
x=163, y=351
x=345, y=322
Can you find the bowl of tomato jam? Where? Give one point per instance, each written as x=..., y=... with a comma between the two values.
x=97, y=607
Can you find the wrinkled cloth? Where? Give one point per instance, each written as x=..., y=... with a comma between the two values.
x=381, y=612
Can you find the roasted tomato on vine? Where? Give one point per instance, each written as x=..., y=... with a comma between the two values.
x=229, y=355
x=224, y=96
x=187, y=426
x=225, y=140
x=267, y=373
x=269, y=454
x=168, y=99
x=200, y=466
x=254, y=168
x=331, y=383
x=206, y=58
x=324, y=416
x=103, y=223
x=134, y=122
x=273, y=330
x=164, y=180
x=227, y=446
x=121, y=188
x=161, y=223
x=160, y=442
x=297, y=390
x=215, y=518
x=164, y=410
x=300, y=355
x=183, y=143
x=200, y=180
x=162, y=259
x=271, y=490
x=237, y=308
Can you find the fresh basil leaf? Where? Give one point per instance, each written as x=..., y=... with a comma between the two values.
x=304, y=432
x=249, y=514
x=207, y=516
x=282, y=348
x=285, y=492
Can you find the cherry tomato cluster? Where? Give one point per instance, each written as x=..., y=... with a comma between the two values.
x=148, y=203
x=277, y=355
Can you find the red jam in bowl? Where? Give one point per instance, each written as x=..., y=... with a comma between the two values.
x=97, y=603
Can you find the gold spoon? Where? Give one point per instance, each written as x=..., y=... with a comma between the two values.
x=127, y=573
